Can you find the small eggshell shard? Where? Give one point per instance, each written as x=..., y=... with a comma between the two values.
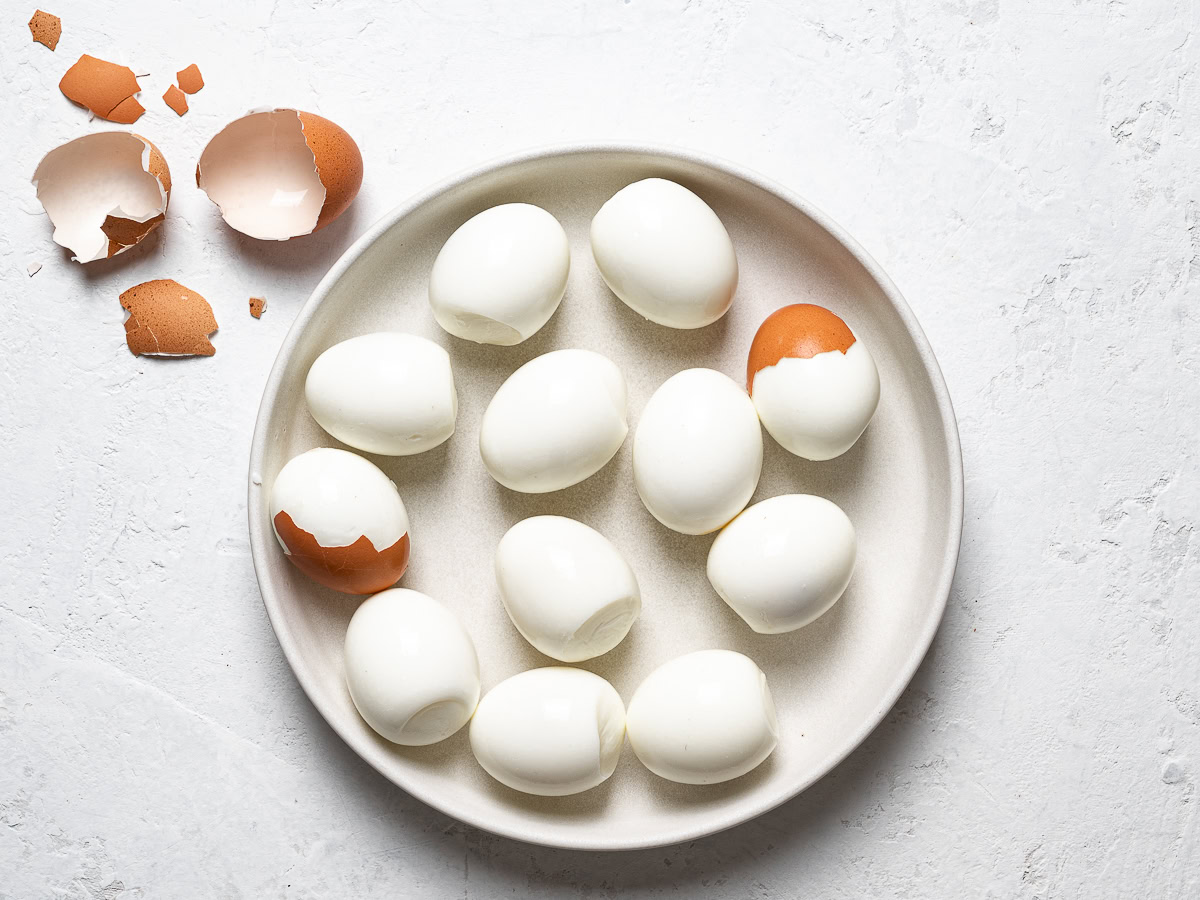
x=46, y=29
x=33, y=268
x=814, y=384
x=566, y=588
x=703, y=718
x=176, y=100
x=552, y=731
x=665, y=254
x=167, y=319
x=103, y=87
x=387, y=393
x=189, y=80
x=341, y=521
x=783, y=562
x=103, y=192
x=411, y=668
x=280, y=174
x=697, y=452
x=556, y=421
x=501, y=275
x=258, y=305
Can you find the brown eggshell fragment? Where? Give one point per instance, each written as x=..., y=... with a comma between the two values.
x=167, y=319
x=104, y=192
x=356, y=569
x=176, y=100
x=339, y=164
x=189, y=80
x=45, y=28
x=257, y=306
x=280, y=174
x=105, y=88
x=801, y=330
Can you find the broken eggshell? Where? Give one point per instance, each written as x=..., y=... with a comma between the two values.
x=103, y=192
x=105, y=88
x=281, y=173
x=167, y=319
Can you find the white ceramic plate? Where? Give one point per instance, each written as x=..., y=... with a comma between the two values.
x=901, y=485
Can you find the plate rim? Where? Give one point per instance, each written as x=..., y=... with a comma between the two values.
x=259, y=543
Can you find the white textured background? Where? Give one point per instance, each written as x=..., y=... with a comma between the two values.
x=1028, y=172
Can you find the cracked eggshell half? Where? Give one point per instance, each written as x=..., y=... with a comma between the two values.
x=697, y=451
x=665, y=254
x=814, y=384
x=500, y=276
x=783, y=562
x=566, y=588
x=281, y=173
x=411, y=668
x=388, y=393
x=703, y=718
x=341, y=521
x=103, y=192
x=556, y=421
x=552, y=731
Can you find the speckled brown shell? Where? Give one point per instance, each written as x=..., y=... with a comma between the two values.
x=339, y=164
x=105, y=88
x=356, y=569
x=801, y=331
x=167, y=319
x=46, y=29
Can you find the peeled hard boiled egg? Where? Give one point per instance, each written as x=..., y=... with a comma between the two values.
x=340, y=521
x=566, y=587
x=501, y=275
x=783, y=562
x=664, y=252
x=814, y=384
x=697, y=452
x=552, y=731
x=557, y=420
x=281, y=173
x=386, y=393
x=410, y=667
x=703, y=718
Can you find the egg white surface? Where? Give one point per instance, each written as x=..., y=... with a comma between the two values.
x=703, y=718
x=551, y=731
x=500, y=277
x=817, y=408
x=567, y=589
x=388, y=393
x=411, y=667
x=665, y=254
x=783, y=562
x=697, y=451
x=338, y=497
x=555, y=421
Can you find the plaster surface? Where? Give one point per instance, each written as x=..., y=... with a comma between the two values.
x=1025, y=171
